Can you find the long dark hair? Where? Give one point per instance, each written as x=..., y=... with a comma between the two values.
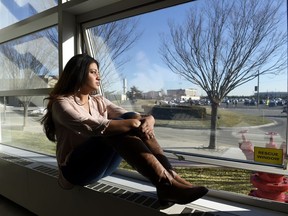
x=71, y=79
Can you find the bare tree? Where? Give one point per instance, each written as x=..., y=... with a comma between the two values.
x=52, y=35
x=226, y=45
x=27, y=61
x=109, y=42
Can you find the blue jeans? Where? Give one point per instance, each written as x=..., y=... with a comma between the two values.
x=93, y=160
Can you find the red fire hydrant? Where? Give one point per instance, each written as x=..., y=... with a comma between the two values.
x=268, y=185
x=246, y=146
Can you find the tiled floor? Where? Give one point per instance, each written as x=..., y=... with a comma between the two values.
x=9, y=208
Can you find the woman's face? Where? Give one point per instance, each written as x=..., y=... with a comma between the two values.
x=93, y=79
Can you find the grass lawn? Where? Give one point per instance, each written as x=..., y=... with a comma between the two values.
x=30, y=141
x=227, y=119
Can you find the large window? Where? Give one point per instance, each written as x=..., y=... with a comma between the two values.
x=214, y=79
x=213, y=74
x=29, y=62
x=29, y=65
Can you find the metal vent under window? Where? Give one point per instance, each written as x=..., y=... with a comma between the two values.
x=47, y=170
x=16, y=160
x=138, y=197
x=24, y=162
x=135, y=197
x=150, y=201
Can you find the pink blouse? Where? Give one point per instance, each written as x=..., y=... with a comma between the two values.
x=74, y=125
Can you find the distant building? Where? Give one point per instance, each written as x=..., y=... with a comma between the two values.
x=115, y=97
x=181, y=94
x=153, y=95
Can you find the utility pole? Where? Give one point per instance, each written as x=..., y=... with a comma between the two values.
x=257, y=88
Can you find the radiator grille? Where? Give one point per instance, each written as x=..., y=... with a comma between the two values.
x=130, y=196
x=16, y=160
x=139, y=197
x=47, y=170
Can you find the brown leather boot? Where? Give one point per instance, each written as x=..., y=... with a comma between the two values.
x=175, y=192
x=179, y=178
x=156, y=149
x=139, y=156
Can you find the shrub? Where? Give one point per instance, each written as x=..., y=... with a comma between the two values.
x=167, y=112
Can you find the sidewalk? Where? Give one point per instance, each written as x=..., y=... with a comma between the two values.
x=197, y=141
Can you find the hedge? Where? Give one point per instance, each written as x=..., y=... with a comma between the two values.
x=167, y=112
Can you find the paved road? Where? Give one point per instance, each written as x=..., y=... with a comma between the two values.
x=227, y=138
x=187, y=138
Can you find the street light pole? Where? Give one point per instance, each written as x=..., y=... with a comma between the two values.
x=257, y=88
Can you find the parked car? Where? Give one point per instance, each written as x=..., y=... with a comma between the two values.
x=272, y=103
x=37, y=112
x=280, y=103
x=249, y=102
x=253, y=103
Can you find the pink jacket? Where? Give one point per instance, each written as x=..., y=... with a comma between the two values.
x=74, y=124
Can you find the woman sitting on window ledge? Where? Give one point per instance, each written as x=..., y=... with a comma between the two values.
x=93, y=135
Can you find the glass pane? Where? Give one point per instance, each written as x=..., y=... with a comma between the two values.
x=216, y=87
x=13, y=11
x=20, y=124
x=30, y=62
x=214, y=79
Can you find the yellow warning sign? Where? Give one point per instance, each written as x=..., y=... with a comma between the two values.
x=268, y=155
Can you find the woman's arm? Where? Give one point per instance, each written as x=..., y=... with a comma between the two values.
x=147, y=126
x=146, y=129
x=121, y=126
